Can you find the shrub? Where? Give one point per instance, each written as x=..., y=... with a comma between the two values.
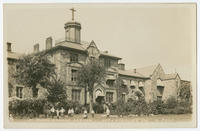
x=121, y=108
x=171, y=102
x=26, y=107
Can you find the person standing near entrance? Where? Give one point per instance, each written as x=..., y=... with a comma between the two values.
x=107, y=112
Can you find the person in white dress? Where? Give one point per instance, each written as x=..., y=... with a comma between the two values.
x=52, y=111
x=62, y=111
x=69, y=112
x=107, y=112
x=92, y=112
x=85, y=115
x=57, y=113
x=72, y=112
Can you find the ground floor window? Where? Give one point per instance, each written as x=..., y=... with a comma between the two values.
x=76, y=95
x=109, y=97
x=19, y=91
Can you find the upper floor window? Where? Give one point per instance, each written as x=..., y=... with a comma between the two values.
x=110, y=83
x=19, y=91
x=73, y=57
x=107, y=62
x=160, y=90
x=74, y=75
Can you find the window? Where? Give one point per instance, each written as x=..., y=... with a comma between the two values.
x=73, y=57
x=74, y=75
x=35, y=92
x=142, y=90
x=19, y=91
x=132, y=87
x=107, y=62
x=110, y=83
x=76, y=95
x=109, y=97
x=160, y=90
x=123, y=97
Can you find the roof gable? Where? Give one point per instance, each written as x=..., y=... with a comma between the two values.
x=148, y=70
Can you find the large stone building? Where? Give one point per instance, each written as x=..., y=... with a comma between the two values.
x=71, y=53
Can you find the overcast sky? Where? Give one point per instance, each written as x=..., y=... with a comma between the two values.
x=140, y=34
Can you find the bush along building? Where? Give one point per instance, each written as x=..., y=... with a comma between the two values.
x=71, y=53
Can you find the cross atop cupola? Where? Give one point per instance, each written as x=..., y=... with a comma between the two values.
x=73, y=10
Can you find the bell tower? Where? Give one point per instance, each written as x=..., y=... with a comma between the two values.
x=73, y=30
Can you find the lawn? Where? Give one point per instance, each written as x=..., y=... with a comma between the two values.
x=114, y=118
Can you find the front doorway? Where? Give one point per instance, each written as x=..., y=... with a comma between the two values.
x=99, y=101
x=100, y=97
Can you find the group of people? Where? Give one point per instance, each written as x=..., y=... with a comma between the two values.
x=60, y=112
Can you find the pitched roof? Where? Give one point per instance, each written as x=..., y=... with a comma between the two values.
x=169, y=76
x=82, y=47
x=109, y=55
x=130, y=73
x=72, y=45
x=147, y=70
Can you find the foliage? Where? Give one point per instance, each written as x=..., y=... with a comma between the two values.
x=56, y=92
x=91, y=73
x=34, y=69
x=26, y=107
x=171, y=102
x=184, y=92
x=121, y=107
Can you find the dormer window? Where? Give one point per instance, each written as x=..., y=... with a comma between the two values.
x=73, y=57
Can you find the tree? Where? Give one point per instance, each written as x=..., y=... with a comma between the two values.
x=57, y=93
x=34, y=69
x=91, y=73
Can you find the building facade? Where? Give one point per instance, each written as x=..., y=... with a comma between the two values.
x=71, y=53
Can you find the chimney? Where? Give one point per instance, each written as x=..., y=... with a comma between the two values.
x=36, y=48
x=9, y=49
x=48, y=43
x=134, y=70
x=121, y=66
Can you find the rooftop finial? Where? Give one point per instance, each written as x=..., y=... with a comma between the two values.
x=73, y=10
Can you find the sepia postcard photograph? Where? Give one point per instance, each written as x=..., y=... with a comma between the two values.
x=100, y=65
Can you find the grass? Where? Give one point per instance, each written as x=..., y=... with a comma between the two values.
x=114, y=118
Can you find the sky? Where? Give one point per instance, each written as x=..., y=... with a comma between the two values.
x=141, y=34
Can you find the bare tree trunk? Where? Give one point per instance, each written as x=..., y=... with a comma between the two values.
x=91, y=101
x=85, y=95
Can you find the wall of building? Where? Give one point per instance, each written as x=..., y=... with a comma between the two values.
x=170, y=89
x=131, y=91
x=157, y=74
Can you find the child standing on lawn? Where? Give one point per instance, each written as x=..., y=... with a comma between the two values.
x=107, y=112
x=85, y=115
